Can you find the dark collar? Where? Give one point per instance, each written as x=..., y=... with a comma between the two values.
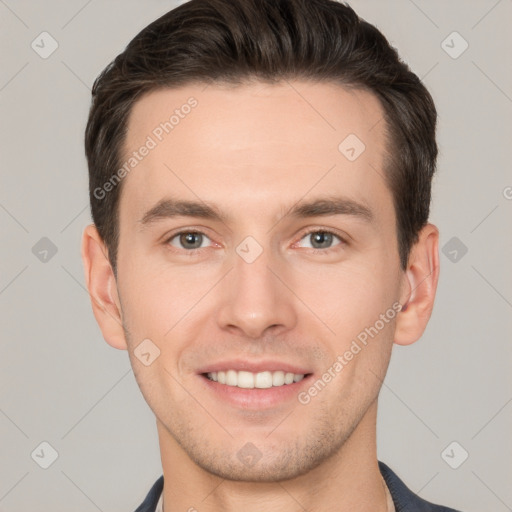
x=403, y=498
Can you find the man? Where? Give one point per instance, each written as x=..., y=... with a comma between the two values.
x=260, y=177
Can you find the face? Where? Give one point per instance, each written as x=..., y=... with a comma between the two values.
x=256, y=242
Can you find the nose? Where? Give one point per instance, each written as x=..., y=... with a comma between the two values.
x=255, y=298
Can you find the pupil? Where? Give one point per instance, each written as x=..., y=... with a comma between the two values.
x=188, y=239
x=322, y=237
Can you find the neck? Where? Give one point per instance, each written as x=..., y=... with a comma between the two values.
x=350, y=480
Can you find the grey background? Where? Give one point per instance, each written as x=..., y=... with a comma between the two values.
x=61, y=383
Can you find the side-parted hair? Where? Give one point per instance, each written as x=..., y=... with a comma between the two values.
x=240, y=41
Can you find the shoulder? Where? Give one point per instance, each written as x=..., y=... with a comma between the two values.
x=403, y=498
x=151, y=500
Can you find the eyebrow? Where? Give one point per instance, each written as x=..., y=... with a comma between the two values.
x=169, y=208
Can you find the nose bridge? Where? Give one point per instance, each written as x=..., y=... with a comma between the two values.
x=255, y=297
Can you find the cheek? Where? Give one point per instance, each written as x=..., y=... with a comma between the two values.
x=157, y=300
x=349, y=298
x=357, y=305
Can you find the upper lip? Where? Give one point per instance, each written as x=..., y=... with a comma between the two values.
x=254, y=366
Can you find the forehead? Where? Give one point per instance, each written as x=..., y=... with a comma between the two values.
x=255, y=143
x=259, y=108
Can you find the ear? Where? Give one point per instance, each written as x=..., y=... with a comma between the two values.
x=101, y=283
x=418, y=287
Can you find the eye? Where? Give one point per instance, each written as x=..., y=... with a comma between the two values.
x=188, y=240
x=322, y=240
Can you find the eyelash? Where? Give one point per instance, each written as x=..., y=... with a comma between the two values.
x=312, y=250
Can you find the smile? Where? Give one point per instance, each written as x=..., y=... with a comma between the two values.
x=250, y=380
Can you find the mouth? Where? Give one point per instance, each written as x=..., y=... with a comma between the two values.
x=250, y=380
x=263, y=390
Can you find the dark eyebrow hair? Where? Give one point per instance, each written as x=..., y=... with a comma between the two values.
x=169, y=208
x=332, y=206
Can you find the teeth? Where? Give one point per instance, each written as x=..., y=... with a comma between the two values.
x=244, y=380
x=277, y=378
x=262, y=380
x=249, y=380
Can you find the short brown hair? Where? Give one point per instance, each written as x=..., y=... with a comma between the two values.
x=236, y=41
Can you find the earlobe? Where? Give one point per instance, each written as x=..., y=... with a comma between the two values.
x=419, y=287
x=101, y=283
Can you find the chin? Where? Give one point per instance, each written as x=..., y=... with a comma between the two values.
x=263, y=461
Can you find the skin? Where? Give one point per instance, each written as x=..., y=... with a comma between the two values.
x=241, y=148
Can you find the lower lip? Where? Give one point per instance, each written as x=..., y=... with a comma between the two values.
x=256, y=398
